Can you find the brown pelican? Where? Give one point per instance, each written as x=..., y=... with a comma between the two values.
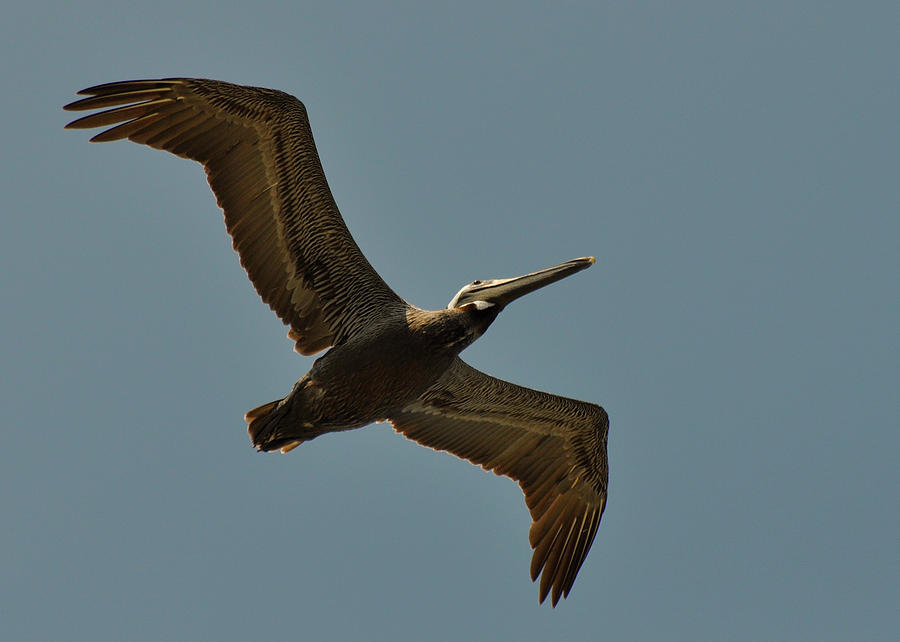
x=389, y=360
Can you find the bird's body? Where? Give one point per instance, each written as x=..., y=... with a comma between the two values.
x=389, y=360
x=394, y=363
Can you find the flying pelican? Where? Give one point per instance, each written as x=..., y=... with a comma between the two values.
x=389, y=360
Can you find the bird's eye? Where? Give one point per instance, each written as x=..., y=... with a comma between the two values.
x=476, y=282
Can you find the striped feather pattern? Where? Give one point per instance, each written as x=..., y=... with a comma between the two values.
x=261, y=162
x=554, y=447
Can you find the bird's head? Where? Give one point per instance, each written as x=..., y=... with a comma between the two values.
x=485, y=299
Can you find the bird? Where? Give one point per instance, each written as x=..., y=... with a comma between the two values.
x=387, y=360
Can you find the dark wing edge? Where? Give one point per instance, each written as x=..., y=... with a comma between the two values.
x=261, y=162
x=554, y=447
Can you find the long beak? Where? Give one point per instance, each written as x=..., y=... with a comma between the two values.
x=502, y=291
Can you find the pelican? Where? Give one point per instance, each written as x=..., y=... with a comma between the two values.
x=389, y=360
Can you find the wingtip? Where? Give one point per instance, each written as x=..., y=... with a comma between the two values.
x=554, y=596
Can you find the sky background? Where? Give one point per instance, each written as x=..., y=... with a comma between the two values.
x=732, y=166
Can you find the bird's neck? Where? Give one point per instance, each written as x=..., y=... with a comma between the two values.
x=450, y=330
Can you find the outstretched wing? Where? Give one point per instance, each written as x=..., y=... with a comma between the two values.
x=554, y=447
x=262, y=165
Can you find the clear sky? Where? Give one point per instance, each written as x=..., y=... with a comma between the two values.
x=732, y=166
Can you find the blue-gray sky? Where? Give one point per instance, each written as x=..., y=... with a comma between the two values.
x=734, y=168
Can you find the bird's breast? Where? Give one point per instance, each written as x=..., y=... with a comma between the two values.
x=367, y=378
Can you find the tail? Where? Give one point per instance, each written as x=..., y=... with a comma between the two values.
x=269, y=427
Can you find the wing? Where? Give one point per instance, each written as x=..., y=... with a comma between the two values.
x=554, y=447
x=261, y=161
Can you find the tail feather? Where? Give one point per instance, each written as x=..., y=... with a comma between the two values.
x=267, y=430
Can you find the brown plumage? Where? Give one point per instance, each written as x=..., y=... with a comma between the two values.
x=390, y=360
